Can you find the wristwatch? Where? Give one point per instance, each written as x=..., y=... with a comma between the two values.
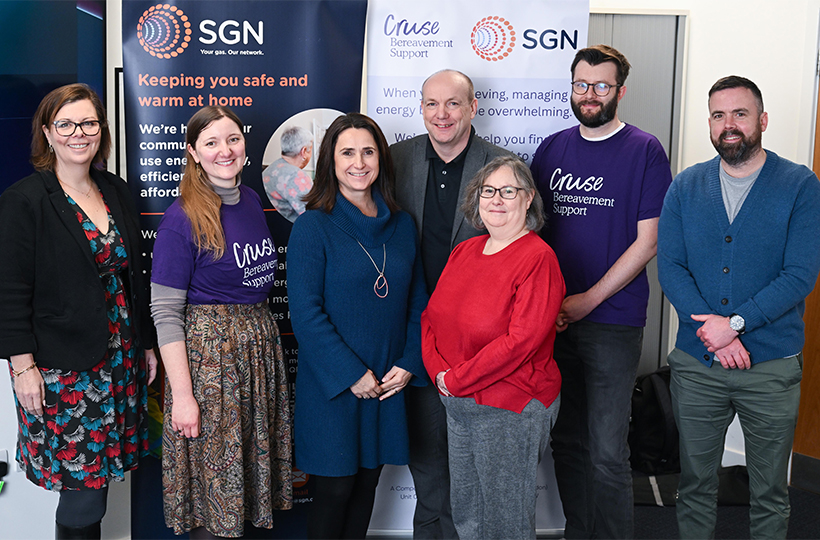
x=737, y=323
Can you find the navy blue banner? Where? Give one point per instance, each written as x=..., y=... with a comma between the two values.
x=276, y=63
x=269, y=61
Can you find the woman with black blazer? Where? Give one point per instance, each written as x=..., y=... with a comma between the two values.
x=74, y=322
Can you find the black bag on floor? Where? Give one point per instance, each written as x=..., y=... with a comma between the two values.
x=653, y=435
x=653, y=490
x=733, y=488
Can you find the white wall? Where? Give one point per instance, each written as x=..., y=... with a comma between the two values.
x=772, y=42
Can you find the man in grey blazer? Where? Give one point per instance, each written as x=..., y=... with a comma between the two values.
x=431, y=173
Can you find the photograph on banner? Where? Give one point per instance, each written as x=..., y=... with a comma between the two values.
x=289, y=161
x=518, y=54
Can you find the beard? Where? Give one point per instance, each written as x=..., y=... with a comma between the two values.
x=604, y=115
x=738, y=153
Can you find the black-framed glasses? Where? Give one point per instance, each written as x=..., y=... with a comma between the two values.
x=506, y=192
x=601, y=89
x=67, y=128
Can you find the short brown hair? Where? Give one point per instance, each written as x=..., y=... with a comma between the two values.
x=42, y=157
x=322, y=195
x=599, y=54
x=522, y=174
x=736, y=81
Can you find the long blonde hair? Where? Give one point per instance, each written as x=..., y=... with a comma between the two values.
x=199, y=201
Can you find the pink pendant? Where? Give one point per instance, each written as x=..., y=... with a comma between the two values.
x=381, y=286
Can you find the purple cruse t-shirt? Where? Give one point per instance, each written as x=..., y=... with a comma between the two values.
x=595, y=192
x=243, y=275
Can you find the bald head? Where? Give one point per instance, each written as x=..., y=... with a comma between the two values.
x=455, y=79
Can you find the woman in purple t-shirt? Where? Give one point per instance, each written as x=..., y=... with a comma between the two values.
x=226, y=454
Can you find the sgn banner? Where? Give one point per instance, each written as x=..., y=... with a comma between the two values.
x=276, y=63
x=518, y=54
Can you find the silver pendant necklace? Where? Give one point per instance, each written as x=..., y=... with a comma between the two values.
x=381, y=281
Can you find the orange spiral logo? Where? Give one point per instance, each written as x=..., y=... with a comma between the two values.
x=493, y=38
x=164, y=31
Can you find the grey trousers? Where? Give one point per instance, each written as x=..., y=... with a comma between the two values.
x=705, y=400
x=494, y=455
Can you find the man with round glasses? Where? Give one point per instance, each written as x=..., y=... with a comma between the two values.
x=603, y=184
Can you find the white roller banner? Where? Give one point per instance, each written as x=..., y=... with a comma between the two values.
x=518, y=54
x=396, y=501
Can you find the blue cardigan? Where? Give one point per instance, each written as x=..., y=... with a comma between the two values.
x=344, y=329
x=761, y=267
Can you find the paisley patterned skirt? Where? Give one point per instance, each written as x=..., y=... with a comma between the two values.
x=239, y=468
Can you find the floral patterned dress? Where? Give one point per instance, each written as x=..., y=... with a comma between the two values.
x=93, y=428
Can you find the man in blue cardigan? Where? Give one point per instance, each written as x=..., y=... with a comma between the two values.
x=738, y=252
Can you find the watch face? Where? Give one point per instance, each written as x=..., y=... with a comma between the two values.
x=737, y=323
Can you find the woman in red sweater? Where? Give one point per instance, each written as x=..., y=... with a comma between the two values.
x=487, y=340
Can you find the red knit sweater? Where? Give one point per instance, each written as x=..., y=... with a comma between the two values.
x=491, y=322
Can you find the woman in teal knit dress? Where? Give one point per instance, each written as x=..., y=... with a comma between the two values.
x=356, y=293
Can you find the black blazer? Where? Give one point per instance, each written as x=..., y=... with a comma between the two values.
x=412, y=167
x=52, y=302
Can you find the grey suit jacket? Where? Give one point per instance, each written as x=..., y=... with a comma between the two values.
x=409, y=160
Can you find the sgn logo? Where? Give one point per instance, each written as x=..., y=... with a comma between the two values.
x=164, y=31
x=228, y=32
x=493, y=38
